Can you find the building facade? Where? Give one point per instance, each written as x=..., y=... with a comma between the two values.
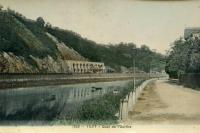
x=196, y=35
x=193, y=32
x=81, y=67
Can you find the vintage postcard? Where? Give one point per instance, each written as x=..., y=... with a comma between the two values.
x=127, y=66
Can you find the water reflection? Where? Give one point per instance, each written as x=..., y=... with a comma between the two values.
x=52, y=101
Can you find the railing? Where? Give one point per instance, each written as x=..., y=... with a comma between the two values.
x=127, y=104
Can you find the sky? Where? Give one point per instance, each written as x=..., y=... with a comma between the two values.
x=153, y=23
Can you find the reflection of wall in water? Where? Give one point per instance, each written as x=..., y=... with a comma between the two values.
x=64, y=98
x=80, y=94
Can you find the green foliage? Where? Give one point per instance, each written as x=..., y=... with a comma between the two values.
x=40, y=21
x=184, y=57
x=25, y=37
x=1, y=7
x=101, y=108
x=105, y=108
x=112, y=55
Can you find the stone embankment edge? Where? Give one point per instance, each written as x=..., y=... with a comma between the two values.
x=127, y=104
x=8, y=81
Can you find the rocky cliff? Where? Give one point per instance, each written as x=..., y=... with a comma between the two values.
x=26, y=47
x=10, y=63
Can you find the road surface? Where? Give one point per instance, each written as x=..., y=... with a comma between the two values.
x=166, y=102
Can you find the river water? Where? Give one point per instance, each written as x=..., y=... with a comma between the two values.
x=50, y=102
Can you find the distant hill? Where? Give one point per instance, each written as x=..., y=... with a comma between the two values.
x=113, y=55
x=35, y=46
x=29, y=41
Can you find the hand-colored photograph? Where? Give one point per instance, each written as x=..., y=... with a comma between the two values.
x=99, y=66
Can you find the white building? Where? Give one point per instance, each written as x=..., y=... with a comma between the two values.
x=85, y=66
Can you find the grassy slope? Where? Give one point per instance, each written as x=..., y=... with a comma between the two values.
x=25, y=37
x=19, y=39
x=112, y=55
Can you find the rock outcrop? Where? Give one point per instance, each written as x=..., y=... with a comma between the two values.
x=26, y=47
x=49, y=65
x=10, y=63
x=65, y=52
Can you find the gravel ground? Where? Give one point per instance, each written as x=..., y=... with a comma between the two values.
x=165, y=102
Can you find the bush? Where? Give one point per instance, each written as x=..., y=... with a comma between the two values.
x=104, y=108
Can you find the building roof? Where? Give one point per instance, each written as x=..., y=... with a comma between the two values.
x=191, y=30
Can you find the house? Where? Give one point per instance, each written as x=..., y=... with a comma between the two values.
x=193, y=32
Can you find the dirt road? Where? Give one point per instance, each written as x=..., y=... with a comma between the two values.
x=166, y=102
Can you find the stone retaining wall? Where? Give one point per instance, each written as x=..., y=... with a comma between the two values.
x=127, y=104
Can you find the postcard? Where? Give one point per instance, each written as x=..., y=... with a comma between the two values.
x=127, y=66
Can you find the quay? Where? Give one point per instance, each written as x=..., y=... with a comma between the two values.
x=14, y=80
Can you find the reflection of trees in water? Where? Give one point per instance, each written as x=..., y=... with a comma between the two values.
x=47, y=103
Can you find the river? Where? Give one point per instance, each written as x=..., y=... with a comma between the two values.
x=55, y=102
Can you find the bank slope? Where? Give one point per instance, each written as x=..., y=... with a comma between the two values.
x=24, y=44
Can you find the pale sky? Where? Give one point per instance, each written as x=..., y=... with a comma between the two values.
x=155, y=24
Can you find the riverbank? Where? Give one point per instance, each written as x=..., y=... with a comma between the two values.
x=16, y=84
x=82, y=102
x=8, y=81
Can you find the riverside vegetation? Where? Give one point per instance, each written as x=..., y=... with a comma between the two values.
x=183, y=61
x=55, y=108
x=100, y=110
x=183, y=57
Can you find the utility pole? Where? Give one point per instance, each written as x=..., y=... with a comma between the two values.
x=150, y=69
x=134, y=60
x=150, y=62
x=134, y=73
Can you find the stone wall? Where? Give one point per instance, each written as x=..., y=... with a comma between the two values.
x=127, y=104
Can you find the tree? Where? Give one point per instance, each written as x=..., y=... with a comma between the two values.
x=194, y=65
x=184, y=57
x=40, y=21
x=1, y=7
x=48, y=25
x=178, y=58
x=144, y=47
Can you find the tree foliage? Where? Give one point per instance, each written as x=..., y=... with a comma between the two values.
x=114, y=55
x=1, y=7
x=184, y=57
x=40, y=21
x=25, y=37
